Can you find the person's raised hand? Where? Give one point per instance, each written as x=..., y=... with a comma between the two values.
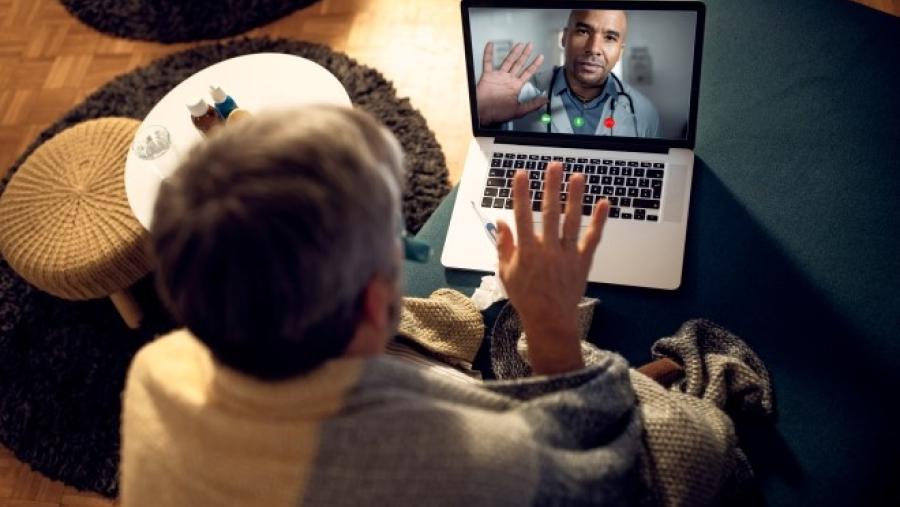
x=545, y=275
x=497, y=92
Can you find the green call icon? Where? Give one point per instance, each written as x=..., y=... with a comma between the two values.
x=578, y=121
x=545, y=118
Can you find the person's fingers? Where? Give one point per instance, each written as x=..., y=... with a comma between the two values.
x=532, y=105
x=511, y=57
x=572, y=223
x=521, y=60
x=531, y=69
x=551, y=203
x=522, y=209
x=487, y=62
x=592, y=238
x=505, y=243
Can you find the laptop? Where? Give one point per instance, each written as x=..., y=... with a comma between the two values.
x=609, y=89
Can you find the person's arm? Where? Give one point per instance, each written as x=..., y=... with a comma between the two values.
x=497, y=92
x=545, y=275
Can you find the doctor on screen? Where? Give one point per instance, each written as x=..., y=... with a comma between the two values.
x=585, y=96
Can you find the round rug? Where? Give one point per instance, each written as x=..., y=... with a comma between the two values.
x=179, y=20
x=64, y=362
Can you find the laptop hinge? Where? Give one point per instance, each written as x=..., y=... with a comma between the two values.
x=586, y=144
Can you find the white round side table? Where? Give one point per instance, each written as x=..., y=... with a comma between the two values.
x=256, y=82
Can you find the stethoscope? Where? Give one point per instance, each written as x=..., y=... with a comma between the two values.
x=609, y=122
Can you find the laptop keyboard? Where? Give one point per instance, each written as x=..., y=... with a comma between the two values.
x=634, y=188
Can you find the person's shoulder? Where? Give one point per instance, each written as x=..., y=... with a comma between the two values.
x=641, y=101
x=537, y=85
x=637, y=95
x=179, y=343
x=403, y=374
x=175, y=357
x=543, y=77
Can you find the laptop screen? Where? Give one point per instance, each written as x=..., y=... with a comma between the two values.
x=621, y=69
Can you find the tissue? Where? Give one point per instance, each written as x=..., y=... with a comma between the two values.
x=490, y=291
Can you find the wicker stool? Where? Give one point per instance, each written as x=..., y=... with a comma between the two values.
x=66, y=226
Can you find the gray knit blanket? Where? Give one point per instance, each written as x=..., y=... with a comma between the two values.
x=691, y=454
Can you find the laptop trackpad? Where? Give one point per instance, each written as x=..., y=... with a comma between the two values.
x=674, y=198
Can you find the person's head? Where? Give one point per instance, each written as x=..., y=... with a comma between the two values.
x=593, y=40
x=277, y=240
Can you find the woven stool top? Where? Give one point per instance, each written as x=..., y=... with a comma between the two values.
x=66, y=226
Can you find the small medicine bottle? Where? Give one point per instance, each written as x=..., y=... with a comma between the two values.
x=223, y=102
x=204, y=116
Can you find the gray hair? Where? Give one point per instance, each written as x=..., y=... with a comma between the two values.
x=269, y=231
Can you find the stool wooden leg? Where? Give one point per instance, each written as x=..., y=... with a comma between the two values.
x=128, y=308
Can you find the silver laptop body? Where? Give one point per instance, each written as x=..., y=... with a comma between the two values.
x=646, y=179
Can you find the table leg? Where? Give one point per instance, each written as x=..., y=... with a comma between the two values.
x=128, y=308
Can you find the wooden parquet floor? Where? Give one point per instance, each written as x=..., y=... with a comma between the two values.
x=49, y=62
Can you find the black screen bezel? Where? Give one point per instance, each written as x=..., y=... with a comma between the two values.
x=579, y=140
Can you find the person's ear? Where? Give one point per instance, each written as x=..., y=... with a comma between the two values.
x=378, y=296
x=565, y=35
x=376, y=319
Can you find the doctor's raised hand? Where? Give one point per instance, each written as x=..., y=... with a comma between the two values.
x=497, y=92
x=545, y=274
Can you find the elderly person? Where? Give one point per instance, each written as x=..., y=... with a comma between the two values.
x=278, y=246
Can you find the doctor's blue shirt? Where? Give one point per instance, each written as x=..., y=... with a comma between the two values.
x=591, y=111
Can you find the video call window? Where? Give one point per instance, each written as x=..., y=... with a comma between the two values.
x=618, y=73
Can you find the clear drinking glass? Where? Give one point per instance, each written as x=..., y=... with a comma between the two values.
x=153, y=145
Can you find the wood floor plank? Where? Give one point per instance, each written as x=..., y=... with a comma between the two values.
x=67, y=71
x=44, y=107
x=17, y=107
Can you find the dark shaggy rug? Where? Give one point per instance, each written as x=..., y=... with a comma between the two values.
x=179, y=20
x=64, y=362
